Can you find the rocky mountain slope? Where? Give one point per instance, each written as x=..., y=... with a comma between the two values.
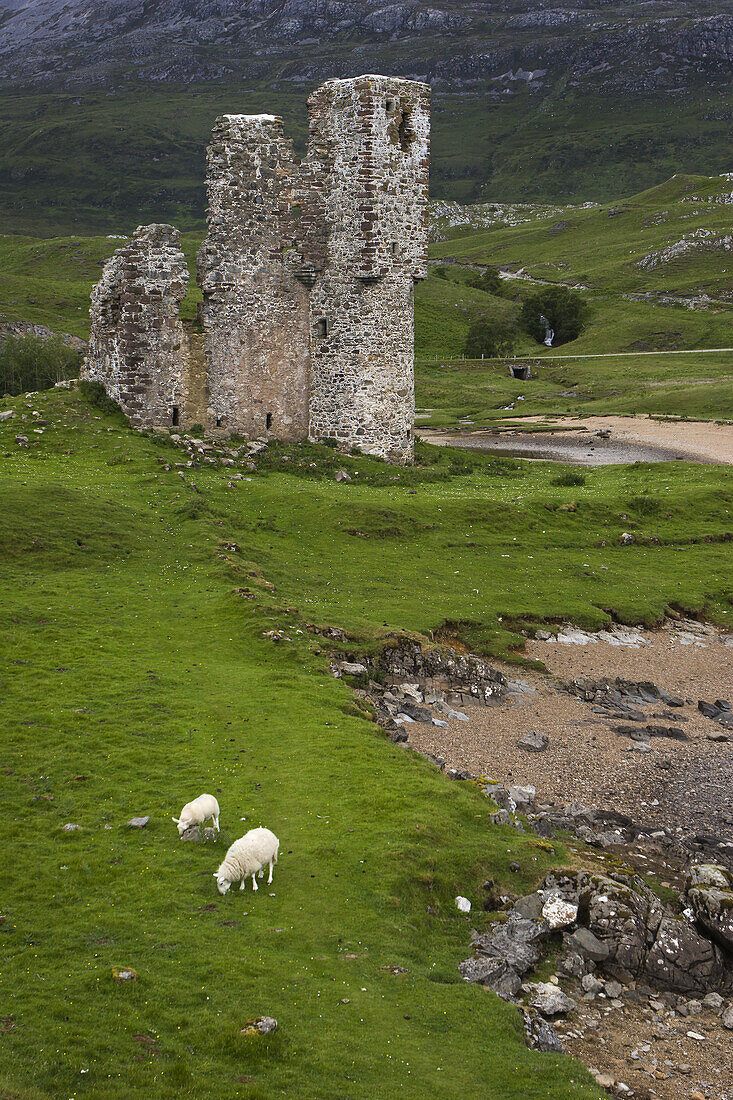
x=452, y=43
x=532, y=100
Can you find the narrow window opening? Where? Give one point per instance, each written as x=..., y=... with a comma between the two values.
x=268, y=421
x=390, y=106
x=405, y=132
x=395, y=248
x=218, y=421
x=321, y=327
x=174, y=417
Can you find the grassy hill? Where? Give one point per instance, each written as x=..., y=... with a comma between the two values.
x=657, y=271
x=137, y=621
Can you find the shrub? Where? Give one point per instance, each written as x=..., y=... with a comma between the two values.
x=440, y=272
x=489, y=336
x=489, y=281
x=31, y=363
x=95, y=394
x=571, y=477
x=564, y=310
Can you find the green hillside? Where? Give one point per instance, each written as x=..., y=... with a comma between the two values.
x=141, y=667
x=657, y=272
x=105, y=160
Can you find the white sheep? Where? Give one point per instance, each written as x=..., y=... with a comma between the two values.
x=196, y=813
x=246, y=857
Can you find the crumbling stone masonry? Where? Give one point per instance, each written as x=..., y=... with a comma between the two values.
x=307, y=274
x=137, y=345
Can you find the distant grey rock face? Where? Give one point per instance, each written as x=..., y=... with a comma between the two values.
x=74, y=43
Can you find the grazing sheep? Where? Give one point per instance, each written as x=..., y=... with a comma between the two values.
x=246, y=857
x=196, y=813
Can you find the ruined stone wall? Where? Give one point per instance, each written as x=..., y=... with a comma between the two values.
x=255, y=310
x=137, y=344
x=369, y=145
x=307, y=274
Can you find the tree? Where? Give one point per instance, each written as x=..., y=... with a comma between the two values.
x=490, y=336
x=489, y=281
x=564, y=311
x=34, y=363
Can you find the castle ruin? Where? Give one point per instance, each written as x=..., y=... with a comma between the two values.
x=307, y=272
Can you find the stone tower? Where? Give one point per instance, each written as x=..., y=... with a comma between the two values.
x=307, y=273
x=369, y=143
x=255, y=312
x=137, y=345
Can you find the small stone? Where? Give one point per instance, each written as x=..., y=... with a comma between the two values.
x=263, y=1025
x=549, y=1000
x=69, y=827
x=124, y=974
x=727, y=1017
x=463, y=905
x=8, y=414
x=696, y=1035
x=626, y=538
x=522, y=796
x=605, y=1080
x=559, y=913
x=534, y=741
x=613, y=990
x=714, y=1001
x=138, y=822
x=341, y=475
x=697, y=1095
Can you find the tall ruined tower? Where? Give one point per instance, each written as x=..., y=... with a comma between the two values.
x=307, y=273
x=369, y=142
x=255, y=313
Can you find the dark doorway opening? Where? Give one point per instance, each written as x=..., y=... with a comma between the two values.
x=521, y=371
x=174, y=417
x=268, y=421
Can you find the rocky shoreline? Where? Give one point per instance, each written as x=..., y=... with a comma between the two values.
x=642, y=975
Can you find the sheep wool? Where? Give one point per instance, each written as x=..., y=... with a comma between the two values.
x=246, y=856
x=196, y=813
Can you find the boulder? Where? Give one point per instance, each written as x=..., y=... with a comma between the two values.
x=494, y=973
x=587, y=945
x=522, y=796
x=683, y=960
x=549, y=999
x=559, y=913
x=534, y=741
x=541, y=1035
x=137, y=822
x=710, y=896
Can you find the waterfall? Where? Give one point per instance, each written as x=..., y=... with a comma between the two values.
x=549, y=333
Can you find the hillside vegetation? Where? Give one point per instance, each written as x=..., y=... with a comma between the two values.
x=106, y=109
x=140, y=621
x=656, y=270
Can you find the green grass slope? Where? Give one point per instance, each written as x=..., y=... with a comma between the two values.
x=138, y=671
x=105, y=159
